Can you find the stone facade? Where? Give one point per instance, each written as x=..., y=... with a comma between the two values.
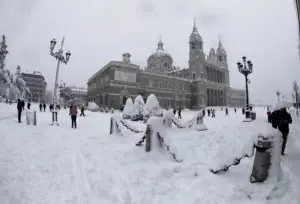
x=36, y=84
x=204, y=83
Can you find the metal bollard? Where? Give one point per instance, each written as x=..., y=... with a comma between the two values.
x=262, y=160
x=148, y=138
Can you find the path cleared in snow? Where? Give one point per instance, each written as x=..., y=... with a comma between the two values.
x=49, y=164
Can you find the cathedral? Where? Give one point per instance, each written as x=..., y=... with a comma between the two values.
x=204, y=83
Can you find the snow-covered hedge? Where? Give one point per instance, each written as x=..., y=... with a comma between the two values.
x=92, y=106
x=128, y=109
x=152, y=107
x=137, y=113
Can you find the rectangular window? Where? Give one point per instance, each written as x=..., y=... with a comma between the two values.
x=159, y=84
x=194, y=75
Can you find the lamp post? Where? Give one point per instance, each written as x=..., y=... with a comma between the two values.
x=246, y=68
x=278, y=95
x=60, y=59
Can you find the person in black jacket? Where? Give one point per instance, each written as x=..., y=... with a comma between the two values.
x=20, y=108
x=281, y=119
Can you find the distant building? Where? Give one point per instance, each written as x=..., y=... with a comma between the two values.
x=204, y=83
x=36, y=84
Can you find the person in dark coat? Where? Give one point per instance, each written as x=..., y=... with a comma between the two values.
x=281, y=119
x=82, y=111
x=179, y=113
x=19, y=108
x=28, y=105
x=41, y=106
x=23, y=104
x=203, y=112
x=226, y=111
x=208, y=113
x=234, y=110
x=44, y=106
x=174, y=111
x=243, y=111
x=213, y=113
x=73, y=114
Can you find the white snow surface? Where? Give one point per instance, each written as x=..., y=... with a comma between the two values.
x=128, y=109
x=49, y=164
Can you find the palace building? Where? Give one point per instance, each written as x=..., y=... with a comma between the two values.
x=204, y=83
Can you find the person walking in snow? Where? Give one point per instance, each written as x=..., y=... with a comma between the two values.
x=41, y=106
x=226, y=111
x=44, y=106
x=73, y=114
x=82, y=111
x=281, y=119
x=208, y=113
x=179, y=113
x=243, y=111
x=203, y=112
x=213, y=113
x=234, y=110
x=28, y=105
x=19, y=108
x=174, y=111
x=23, y=104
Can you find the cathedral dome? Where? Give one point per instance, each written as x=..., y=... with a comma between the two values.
x=160, y=59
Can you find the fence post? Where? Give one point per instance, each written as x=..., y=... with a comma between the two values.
x=262, y=160
x=34, y=118
x=148, y=138
x=27, y=118
x=111, y=126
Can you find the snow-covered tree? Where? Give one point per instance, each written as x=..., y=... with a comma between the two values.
x=138, y=107
x=152, y=106
x=128, y=109
x=66, y=94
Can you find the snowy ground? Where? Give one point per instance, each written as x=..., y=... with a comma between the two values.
x=45, y=164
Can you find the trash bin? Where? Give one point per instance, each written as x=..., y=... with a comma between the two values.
x=262, y=160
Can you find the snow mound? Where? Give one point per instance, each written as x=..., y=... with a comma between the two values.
x=128, y=109
x=138, y=107
x=92, y=106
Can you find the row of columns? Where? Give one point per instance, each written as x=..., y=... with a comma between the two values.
x=215, y=75
x=215, y=97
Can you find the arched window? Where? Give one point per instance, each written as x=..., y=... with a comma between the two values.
x=193, y=45
x=194, y=75
x=159, y=84
x=166, y=65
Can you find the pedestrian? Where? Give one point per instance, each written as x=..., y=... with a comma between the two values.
x=41, y=106
x=82, y=111
x=179, y=113
x=19, y=108
x=203, y=112
x=208, y=113
x=226, y=111
x=44, y=106
x=234, y=110
x=174, y=111
x=281, y=119
x=28, y=105
x=243, y=111
x=73, y=114
x=23, y=104
x=213, y=113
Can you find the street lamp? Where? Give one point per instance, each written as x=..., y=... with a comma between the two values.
x=246, y=68
x=60, y=59
x=278, y=94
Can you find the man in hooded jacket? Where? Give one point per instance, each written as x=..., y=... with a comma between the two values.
x=281, y=119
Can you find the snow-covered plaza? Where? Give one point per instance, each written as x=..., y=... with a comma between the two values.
x=46, y=164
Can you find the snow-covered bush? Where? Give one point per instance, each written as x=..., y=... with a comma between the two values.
x=138, y=109
x=152, y=107
x=128, y=109
x=92, y=106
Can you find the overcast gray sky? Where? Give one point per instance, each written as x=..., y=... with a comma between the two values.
x=98, y=31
